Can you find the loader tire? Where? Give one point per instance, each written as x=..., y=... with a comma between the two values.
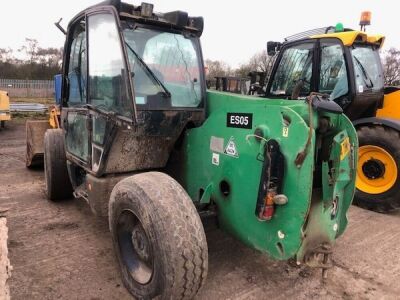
x=58, y=184
x=378, y=171
x=158, y=237
x=2, y=124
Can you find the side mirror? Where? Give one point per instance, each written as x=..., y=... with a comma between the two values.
x=58, y=79
x=323, y=103
x=273, y=47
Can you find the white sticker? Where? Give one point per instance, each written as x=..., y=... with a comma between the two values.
x=360, y=88
x=231, y=149
x=217, y=144
x=215, y=159
x=285, y=131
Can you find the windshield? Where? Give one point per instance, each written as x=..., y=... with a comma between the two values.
x=367, y=67
x=166, y=63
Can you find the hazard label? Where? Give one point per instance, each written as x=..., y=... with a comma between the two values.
x=231, y=148
x=345, y=148
x=285, y=131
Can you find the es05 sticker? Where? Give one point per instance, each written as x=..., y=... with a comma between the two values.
x=239, y=120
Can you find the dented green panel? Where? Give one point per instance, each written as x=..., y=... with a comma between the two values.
x=216, y=155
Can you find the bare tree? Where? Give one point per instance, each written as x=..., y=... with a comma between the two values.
x=259, y=62
x=244, y=70
x=391, y=67
x=37, y=62
x=217, y=68
x=49, y=57
x=30, y=48
x=6, y=55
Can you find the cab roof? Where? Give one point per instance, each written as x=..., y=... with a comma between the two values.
x=350, y=37
x=179, y=20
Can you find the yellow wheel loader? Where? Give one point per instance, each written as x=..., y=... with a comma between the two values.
x=4, y=108
x=35, y=130
x=345, y=65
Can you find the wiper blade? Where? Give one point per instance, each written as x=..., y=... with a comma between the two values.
x=149, y=71
x=371, y=84
x=99, y=109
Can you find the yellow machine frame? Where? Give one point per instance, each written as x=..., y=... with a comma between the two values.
x=5, y=114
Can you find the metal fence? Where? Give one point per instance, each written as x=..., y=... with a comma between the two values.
x=28, y=88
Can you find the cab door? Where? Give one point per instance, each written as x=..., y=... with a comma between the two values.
x=333, y=71
x=75, y=117
x=109, y=97
x=98, y=100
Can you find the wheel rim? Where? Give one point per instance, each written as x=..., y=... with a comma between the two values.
x=376, y=171
x=134, y=246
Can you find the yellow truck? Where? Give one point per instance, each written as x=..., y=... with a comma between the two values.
x=4, y=108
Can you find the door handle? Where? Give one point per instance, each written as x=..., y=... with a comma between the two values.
x=64, y=122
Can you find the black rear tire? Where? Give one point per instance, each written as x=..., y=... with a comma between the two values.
x=389, y=140
x=176, y=248
x=3, y=124
x=58, y=184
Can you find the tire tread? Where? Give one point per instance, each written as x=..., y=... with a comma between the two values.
x=56, y=174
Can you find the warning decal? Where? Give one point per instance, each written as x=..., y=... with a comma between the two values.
x=231, y=148
x=215, y=159
x=345, y=148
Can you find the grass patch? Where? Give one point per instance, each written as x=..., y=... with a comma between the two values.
x=29, y=115
x=45, y=101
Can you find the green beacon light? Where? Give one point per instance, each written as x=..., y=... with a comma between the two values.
x=339, y=27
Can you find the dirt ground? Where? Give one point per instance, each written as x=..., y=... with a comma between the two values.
x=61, y=251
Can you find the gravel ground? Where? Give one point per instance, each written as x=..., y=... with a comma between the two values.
x=62, y=251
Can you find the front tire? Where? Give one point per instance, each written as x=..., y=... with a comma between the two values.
x=158, y=237
x=378, y=171
x=58, y=184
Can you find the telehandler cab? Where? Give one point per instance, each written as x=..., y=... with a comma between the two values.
x=146, y=145
x=345, y=64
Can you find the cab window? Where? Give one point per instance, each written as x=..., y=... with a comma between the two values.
x=294, y=71
x=174, y=63
x=367, y=68
x=77, y=66
x=107, y=73
x=333, y=71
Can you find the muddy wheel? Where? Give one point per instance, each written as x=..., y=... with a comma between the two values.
x=58, y=185
x=158, y=237
x=378, y=171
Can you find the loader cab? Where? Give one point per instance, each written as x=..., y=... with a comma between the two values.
x=346, y=66
x=131, y=80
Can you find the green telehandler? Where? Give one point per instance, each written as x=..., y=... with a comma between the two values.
x=146, y=144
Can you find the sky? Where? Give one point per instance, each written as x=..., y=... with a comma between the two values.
x=234, y=30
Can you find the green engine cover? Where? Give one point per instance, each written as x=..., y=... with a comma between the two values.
x=221, y=162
